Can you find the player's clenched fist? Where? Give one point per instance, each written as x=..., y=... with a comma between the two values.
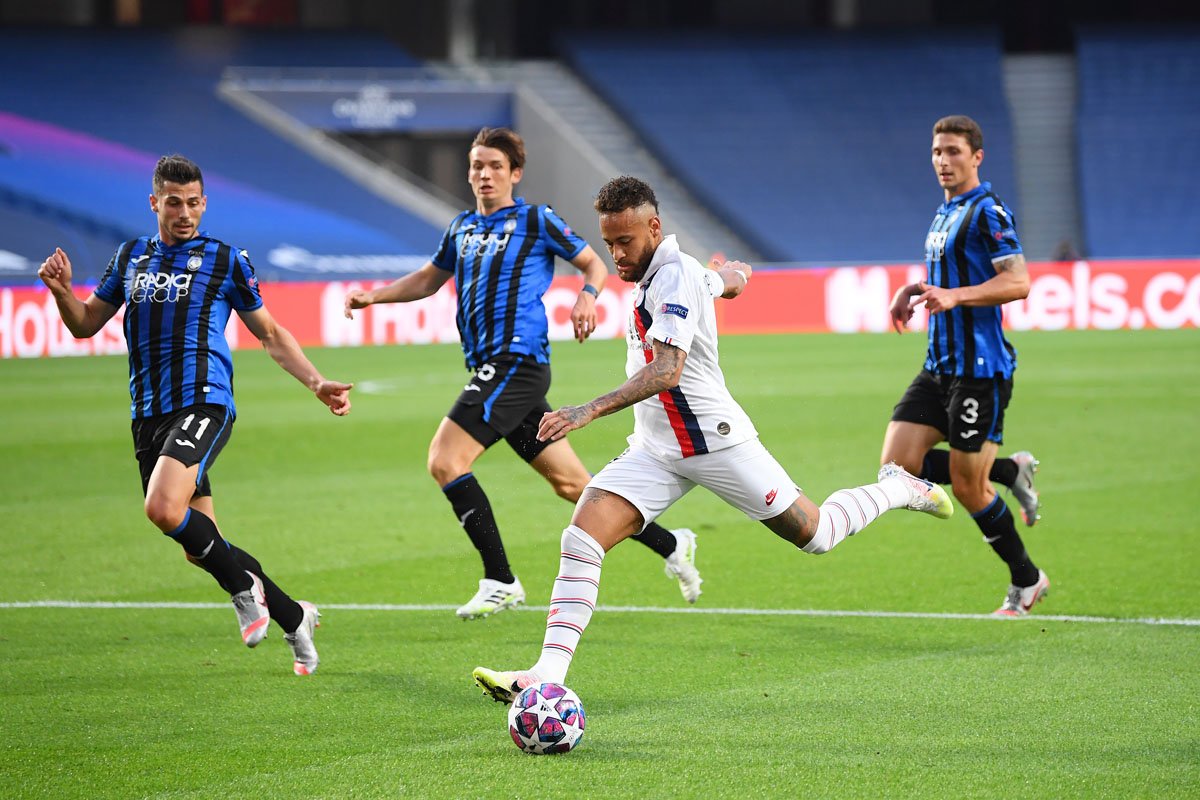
x=55, y=272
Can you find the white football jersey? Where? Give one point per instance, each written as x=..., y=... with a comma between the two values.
x=674, y=305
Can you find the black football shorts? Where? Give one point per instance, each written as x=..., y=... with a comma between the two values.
x=505, y=399
x=967, y=411
x=192, y=435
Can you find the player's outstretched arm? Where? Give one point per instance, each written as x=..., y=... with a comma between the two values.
x=583, y=315
x=83, y=318
x=735, y=275
x=660, y=375
x=279, y=342
x=413, y=286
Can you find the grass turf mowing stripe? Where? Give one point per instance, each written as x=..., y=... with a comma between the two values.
x=752, y=612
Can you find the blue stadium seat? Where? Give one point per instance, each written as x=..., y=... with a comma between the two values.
x=1139, y=140
x=813, y=147
x=86, y=113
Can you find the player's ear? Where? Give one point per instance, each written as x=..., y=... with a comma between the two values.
x=517, y=174
x=153, y=203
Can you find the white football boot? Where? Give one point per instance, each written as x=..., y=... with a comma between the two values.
x=493, y=597
x=681, y=565
x=923, y=496
x=251, y=608
x=304, y=652
x=1022, y=489
x=1021, y=599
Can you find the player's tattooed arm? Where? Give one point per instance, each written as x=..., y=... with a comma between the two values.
x=660, y=375
x=1015, y=263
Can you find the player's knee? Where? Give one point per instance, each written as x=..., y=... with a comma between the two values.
x=970, y=490
x=166, y=515
x=568, y=488
x=444, y=469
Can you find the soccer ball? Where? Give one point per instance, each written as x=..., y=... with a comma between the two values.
x=546, y=718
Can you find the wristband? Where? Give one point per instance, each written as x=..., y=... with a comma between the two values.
x=592, y=290
x=744, y=278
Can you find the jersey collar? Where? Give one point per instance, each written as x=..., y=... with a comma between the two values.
x=983, y=188
x=518, y=202
x=158, y=244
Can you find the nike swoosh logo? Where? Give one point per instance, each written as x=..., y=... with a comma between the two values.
x=968, y=434
x=991, y=539
x=470, y=387
x=1035, y=597
x=140, y=259
x=463, y=519
x=185, y=443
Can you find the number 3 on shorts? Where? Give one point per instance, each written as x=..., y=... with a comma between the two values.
x=970, y=408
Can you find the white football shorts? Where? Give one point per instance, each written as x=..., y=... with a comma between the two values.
x=746, y=476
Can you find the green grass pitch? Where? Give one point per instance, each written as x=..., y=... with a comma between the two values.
x=167, y=703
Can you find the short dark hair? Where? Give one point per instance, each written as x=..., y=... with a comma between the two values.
x=623, y=193
x=963, y=125
x=176, y=169
x=506, y=141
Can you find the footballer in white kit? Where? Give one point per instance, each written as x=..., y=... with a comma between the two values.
x=687, y=430
x=695, y=432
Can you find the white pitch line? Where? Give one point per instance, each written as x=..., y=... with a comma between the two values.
x=749, y=612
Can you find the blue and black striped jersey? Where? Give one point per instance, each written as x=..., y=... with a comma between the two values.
x=969, y=234
x=177, y=302
x=502, y=264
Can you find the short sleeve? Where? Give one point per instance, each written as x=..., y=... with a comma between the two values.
x=714, y=284
x=676, y=304
x=246, y=296
x=446, y=257
x=560, y=239
x=998, y=229
x=111, y=288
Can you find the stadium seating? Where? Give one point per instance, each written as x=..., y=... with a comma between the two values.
x=814, y=147
x=1139, y=140
x=84, y=115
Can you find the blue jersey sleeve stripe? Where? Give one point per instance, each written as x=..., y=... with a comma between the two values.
x=111, y=288
x=446, y=256
x=565, y=246
x=987, y=231
x=244, y=283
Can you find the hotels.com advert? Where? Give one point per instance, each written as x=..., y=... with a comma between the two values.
x=1080, y=295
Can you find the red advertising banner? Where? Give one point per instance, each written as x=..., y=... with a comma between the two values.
x=1079, y=295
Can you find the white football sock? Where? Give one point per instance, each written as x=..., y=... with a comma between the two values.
x=847, y=511
x=571, y=604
